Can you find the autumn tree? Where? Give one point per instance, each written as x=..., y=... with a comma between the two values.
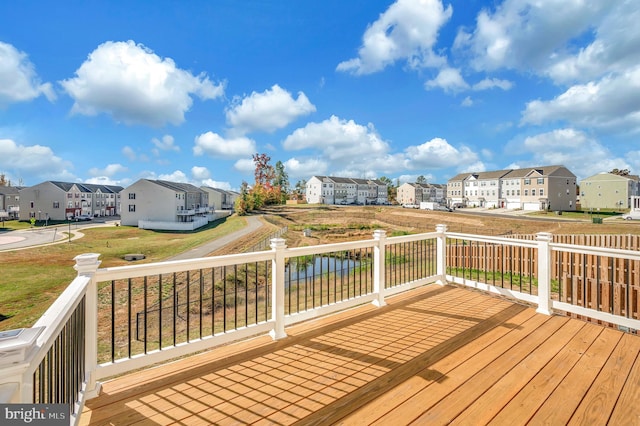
x=3, y=180
x=270, y=186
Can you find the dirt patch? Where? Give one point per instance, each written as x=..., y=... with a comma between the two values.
x=331, y=224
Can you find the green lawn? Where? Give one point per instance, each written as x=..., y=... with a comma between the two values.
x=30, y=280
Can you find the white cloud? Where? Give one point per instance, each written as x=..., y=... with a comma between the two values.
x=574, y=149
x=18, y=79
x=267, y=111
x=305, y=168
x=407, y=30
x=530, y=35
x=438, y=154
x=611, y=103
x=215, y=145
x=449, y=80
x=467, y=102
x=176, y=176
x=216, y=184
x=165, y=144
x=245, y=165
x=490, y=83
x=110, y=170
x=106, y=180
x=31, y=161
x=338, y=139
x=135, y=86
x=200, y=173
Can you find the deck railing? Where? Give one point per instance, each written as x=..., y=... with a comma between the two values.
x=112, y=320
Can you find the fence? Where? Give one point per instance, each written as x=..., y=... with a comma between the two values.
x=113, y=320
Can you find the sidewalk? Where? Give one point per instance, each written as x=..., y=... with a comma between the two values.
x=253, y=224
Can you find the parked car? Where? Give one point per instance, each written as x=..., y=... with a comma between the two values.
x=631, y=216
x=83, y=217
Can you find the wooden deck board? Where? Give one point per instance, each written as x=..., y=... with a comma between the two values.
x=433, y=355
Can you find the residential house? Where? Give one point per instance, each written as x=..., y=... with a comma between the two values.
x=548, y=188
x=159, y=204
x=220, y=199
x=340, y=190
x=608, y=191
x=455, y=190
x=415, y=193
x=537, y=188
x=54, y=200
x=10, y=202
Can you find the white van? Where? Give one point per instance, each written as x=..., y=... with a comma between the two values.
x=634, y=215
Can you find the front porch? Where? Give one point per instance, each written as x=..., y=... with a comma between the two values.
x=433, y=355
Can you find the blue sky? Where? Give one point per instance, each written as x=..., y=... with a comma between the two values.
x=114, y=91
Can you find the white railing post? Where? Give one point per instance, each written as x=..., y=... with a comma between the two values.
x=379, y=267
x=544, y=272
x=278, y=245
x=86, y=265
x=441, y=254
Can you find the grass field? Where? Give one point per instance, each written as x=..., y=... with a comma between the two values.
x=30, y=280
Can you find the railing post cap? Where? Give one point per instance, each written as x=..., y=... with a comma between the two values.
x=87, y=262
x=441, y=227
x=544, y=236
x=278, y=243
x=378, y=233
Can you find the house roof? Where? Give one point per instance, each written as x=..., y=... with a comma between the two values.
x=87, y=187
x=177, y=186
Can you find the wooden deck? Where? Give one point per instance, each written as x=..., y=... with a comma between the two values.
x=436, y=355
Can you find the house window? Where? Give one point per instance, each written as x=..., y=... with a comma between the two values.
x=31, y=204
x=132, y=196
x=527, y=182
x=526, y=192
x=533, y=192
x=540, y=181
x=541, y=192
x=132, y=207
x=56, y=204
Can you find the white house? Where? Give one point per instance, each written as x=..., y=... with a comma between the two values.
x=341, y=190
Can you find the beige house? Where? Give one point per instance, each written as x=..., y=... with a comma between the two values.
x=220, y=199
x=53, y=200
x=415, y=193
x=537, y=188
x=608, y=191
x=159, y=204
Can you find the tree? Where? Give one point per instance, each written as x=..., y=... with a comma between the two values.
x=392, y=190
x=3, y=180
x=267, y=188
x=421, y=179
x=281, y=181
x=623, y=172
x=243, y=203
x=300, y=190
